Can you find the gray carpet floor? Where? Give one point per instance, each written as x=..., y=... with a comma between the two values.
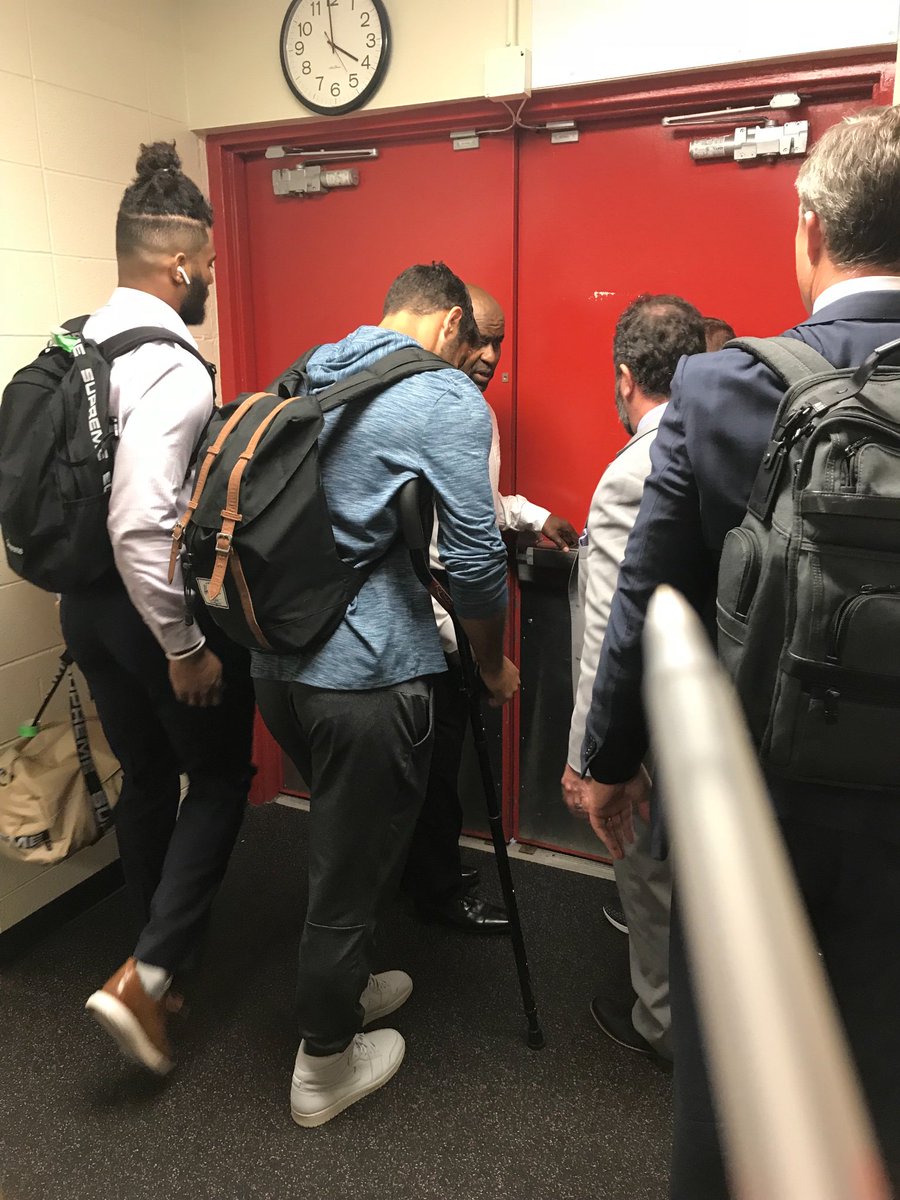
x=472, y=1115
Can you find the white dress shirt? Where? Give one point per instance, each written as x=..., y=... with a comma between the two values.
x=513, y=512
x=162, y=398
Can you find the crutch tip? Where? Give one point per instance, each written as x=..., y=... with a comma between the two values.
x=536, y=1039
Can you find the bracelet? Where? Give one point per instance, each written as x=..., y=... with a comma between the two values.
x=186, y=653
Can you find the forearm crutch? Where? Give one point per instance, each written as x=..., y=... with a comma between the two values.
x=416, y=519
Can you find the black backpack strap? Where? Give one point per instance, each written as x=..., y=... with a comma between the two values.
x=131, y=339
x=789, y=358
x=365, y=385
x=288, y=382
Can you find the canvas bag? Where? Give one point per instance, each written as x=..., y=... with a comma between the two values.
x=57, y=785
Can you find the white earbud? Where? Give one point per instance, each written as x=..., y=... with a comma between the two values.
x=184, y=275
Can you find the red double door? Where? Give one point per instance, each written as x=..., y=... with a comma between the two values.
x=564, y=235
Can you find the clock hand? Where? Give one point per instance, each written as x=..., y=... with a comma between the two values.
x=340, y=49
x=331, y=30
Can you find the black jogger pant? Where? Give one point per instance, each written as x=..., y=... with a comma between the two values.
x=365, y=756
x=433, y=867
x=173, y=859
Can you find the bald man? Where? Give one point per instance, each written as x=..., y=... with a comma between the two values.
x=513, y=512
x=434, y=876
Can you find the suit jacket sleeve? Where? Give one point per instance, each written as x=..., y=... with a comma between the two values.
x=666, y=546
x=614, y=508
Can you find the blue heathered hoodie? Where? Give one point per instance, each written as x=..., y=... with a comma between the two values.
x=435, y=425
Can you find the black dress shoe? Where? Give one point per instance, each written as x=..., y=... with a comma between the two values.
x=469, y=877
x=470, y=913
x=614, y=1018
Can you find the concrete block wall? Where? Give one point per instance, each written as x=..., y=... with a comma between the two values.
x=80, y=88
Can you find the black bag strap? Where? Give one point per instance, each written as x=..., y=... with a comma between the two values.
x=366, y=384
x=100, y=804
x=788, y=358
x=130, y=339
x=65, y=661
x=288, y=382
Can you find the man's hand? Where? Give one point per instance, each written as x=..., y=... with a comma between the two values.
x=502, y=684
x=560, y=532
x=197, y=679
x=573, y=791
x=609, y=807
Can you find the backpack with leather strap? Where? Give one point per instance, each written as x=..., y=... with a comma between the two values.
x=256, y=542
x=57, y=451
x=808, y=606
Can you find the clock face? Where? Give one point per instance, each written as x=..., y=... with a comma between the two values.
x=334, y=52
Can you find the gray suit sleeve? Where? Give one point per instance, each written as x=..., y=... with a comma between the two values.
x=614, y=508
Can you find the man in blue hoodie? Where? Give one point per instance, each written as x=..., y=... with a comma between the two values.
x=355, y=715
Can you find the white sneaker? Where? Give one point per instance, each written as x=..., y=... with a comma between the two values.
x=323, y=1087
x=384, y=994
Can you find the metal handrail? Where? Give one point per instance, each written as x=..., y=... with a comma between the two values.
x=794, y=1121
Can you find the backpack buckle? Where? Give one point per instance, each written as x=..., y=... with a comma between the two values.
x=223, y=543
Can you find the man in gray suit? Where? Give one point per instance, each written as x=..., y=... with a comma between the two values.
x=651, y=336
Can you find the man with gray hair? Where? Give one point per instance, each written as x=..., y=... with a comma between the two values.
x=844, y=844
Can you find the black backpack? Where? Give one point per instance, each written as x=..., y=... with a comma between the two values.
x=256, y=542
x=808, y=607
x=57, y=446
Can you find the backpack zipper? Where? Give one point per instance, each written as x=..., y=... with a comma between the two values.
x=849, y=463
x=844, y=613
x=830, y=696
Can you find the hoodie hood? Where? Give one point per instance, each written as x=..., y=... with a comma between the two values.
x=358, y=350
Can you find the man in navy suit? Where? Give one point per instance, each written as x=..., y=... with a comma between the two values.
x=845, y=846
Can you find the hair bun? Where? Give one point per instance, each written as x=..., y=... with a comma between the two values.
x=159, y=156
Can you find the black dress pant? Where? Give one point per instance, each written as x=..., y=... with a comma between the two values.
x=851, y=886
x=365, y=756
x=433, y=868
x=173, y=858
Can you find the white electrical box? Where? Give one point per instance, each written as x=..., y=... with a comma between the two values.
x=507, y=73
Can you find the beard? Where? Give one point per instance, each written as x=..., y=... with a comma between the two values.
x=622, y=411
x=193, y=306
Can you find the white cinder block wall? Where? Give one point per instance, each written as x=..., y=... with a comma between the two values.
x=81, y=86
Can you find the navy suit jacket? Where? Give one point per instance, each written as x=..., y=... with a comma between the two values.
x=710, y=443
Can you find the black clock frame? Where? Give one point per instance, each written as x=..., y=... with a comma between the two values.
x=371, y=87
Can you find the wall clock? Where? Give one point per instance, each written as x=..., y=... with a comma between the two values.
x=334, y=53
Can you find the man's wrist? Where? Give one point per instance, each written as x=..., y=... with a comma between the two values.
x=180, y=655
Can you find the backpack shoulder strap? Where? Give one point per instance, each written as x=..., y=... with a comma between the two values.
x=391, y=369
x=286, y=384
x=131, y=339
x=789, y=358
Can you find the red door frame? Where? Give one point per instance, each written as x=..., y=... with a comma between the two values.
x=853, y=77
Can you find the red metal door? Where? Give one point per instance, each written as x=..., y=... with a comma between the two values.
x=320, y=265
x=623, y=211
x=314, y=268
